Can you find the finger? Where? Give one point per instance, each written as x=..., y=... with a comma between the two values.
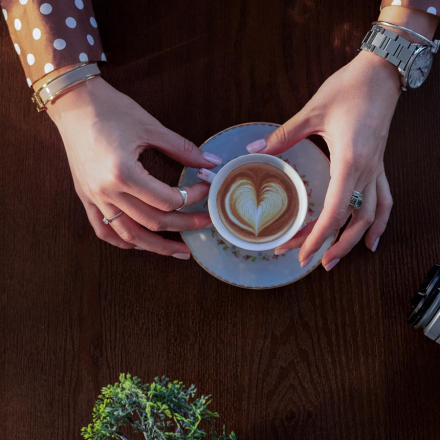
x=335, y=213
x=132, y=233
x=103, y=231
x=158, y=194
x=184, y=151
x=362, y=219
x=298, y=240
x=383, y=210
x=284, y=137
x=157, y=220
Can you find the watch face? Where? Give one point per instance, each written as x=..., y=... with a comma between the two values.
x=420, y=67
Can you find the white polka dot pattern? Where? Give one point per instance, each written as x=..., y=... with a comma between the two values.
x=30, y=59
x=49, y=34
x=59, y=44
x=48, y=68
x=46, y=8
x=432, y=10
x=71, y=22
x=29, y=82
x=36, y=33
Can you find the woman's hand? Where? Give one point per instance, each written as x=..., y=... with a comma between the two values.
x=352, y=111
x=104, y=132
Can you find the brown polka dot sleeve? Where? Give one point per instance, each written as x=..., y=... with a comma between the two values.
x=430, y=6
x=49, y=34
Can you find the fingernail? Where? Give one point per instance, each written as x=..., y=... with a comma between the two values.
x=373, y=249
x=282, y=251
x=138, y=248
x=257, y=146
x=332, y=264
x=212, y=158
x=307, y=261
x=209, y=226
x=182, y=256
x=205, y=175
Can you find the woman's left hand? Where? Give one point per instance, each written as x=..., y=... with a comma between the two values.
x=352, y=111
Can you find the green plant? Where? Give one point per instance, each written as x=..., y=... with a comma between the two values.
x=161, y=410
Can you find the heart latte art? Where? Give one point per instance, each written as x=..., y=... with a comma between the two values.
x=257, y=202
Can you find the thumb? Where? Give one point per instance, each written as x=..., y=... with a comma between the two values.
x=184, y=151
x=283, y=138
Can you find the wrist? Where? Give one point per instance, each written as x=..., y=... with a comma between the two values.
x=77, y=98
x=381, y=72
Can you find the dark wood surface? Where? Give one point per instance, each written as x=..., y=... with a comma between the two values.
x=330, y=357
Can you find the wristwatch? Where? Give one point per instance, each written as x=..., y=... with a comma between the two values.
x=413, y=60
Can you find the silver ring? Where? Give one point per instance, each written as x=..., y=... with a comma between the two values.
x=108, y=220
x=184, y=195
x=356, y=199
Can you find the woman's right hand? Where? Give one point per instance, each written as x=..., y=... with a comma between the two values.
x=104, y=132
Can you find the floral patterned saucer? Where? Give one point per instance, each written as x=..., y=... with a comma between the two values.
x=257, y=270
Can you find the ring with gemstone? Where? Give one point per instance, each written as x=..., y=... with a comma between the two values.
x=184, y=195
x=108, y=220
x=356, y=199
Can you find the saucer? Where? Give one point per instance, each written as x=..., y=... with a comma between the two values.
x=247, y=269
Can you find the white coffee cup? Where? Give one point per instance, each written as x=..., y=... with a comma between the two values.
x=216, y=181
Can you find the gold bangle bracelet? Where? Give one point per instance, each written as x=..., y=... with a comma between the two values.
x=50, y=90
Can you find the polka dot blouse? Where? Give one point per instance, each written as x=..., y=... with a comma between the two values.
x=430, y=6
x=49, y=34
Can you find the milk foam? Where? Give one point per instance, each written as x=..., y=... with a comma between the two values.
x=242, y=196
x=257, y=202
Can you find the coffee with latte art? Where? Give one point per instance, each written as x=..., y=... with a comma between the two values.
x=257, y=202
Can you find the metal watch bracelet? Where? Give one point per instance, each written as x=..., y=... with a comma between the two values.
x=434, y=44
x=389, y=45
x=48, y=91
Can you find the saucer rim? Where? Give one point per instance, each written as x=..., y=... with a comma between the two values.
x=271, y=124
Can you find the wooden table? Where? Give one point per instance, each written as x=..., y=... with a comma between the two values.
x=330, y=357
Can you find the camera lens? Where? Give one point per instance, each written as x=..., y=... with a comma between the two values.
x=425, y=313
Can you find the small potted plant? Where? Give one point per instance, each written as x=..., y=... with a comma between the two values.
x=161, y=410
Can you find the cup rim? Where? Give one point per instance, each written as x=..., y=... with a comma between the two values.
x=270, y=160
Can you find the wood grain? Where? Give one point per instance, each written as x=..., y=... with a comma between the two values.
x=330, y=357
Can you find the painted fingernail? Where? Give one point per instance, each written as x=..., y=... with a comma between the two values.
x=138, y=248
x=282, y=251
x=212, y=158
x=373, y=249
x=182, y=256
x=307, y=261
x=332, y=264
x=257, y=146
x=205, y=175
